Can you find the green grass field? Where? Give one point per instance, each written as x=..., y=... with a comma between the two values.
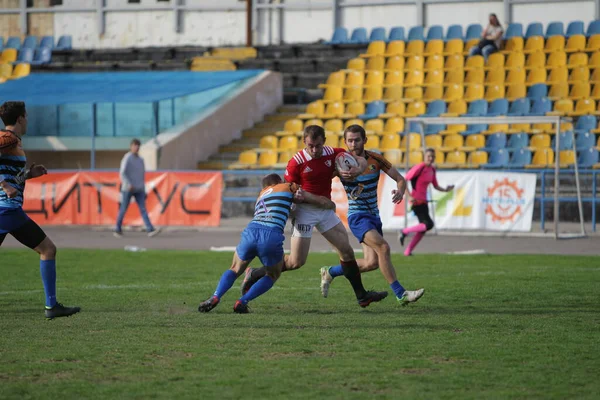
x=487, y=327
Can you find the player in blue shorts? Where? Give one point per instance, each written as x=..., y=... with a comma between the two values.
x=364, y=220
x=263, y=238
x=13, y=220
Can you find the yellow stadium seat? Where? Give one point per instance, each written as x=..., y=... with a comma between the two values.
x=414, y=62
x=495, y=77
x=455, y=159
x=555, y=43
x=415, y=47
x=268, y=142
x=341, y=143
x=393, y=109
x=356, y=64
x=291, y=127
x=331, y=139
x=542, y=158
x=516, y=77
x=354, y=109
x=456, y=108
x=580, y=90
x=539, y=141
x=452, y=142
x=515, y=91
x=20, y=71
x=247, y=159
x=395, y=48
x=456, y=76
x=354, y=78
x=593, y=43
x=477, y=159
x=413, y=139
x=415, y=108
x=469, y=45
x=495, y=61
x=566, y=158
x=375, y=63
x=373, y=93
x=594, y=60
x=577, y=60
x=314, y=121
x=514, y=44
x=413, y=94
x=395, y=63
x=334, y=126
x=474, y=76
x=351, y=94
x=433, y=141
x=313, y=110
x=566, y=126
x=540, y=128
x=414, y=78
x=415, y=157
x=559, y=74
x=536, y=60
x=583, y=107
x=494, y=92
x=435, y=46
x=434, y=77
x=335, y=79
x=211, y=64
x=374, y=126
x=333, y=93
x=6, y=71
x=474, y=92
x=534, y=44
x=453, y=92
x=373, y=142
x=374, y=78
x=395, y=93
x=394, y=126
x=473, y=142
x=475, y=62
x=8, y=56
x=595, y=78
x=556, y=59
x=595, y=93
x=455, y=62
x=434, y=62
x=440, y=158
x=389, y=141
x=495, y=128
x=562, y=107
x=333, y=110
x=394, y=157
x=536, y=76
x=579, y=74
x=234, y=53
x=575, y=43
x=454, y=47
x=288, y=143
x=284, y=157
x=354, y=121
x=515, y=61
x=376, y=48
x=393, y=78
x=453, y=129
x=267, y=159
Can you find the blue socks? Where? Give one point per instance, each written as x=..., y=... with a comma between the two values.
x=226, y=282
x=336, y=271
x=48, y=272
x=261, y=287
x=397, y=288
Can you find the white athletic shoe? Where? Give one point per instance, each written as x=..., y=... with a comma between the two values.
x=325, y=281
x=154, y=232
x=410, y=296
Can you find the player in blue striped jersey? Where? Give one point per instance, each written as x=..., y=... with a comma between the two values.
x=13, y=220
x=364, y=220
x=263, y=238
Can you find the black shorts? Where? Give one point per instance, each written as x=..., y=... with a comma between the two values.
x=422, y=213
x=29, y=234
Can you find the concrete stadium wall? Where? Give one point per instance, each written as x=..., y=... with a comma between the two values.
x=185, y=146
x=214, y=28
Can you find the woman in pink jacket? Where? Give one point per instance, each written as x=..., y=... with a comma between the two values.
x=420, y=176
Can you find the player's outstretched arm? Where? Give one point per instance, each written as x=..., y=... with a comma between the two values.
x=302, y=196
x=400, y=190
x=353, y=172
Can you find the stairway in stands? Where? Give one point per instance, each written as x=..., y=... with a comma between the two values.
x=229, y=153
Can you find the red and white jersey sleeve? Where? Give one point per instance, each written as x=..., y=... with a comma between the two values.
x=313, y=174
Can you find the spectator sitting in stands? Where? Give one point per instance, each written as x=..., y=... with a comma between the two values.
x=491, y=39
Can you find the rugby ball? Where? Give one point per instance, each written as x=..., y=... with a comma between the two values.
x=7, y=140
x=345, y=161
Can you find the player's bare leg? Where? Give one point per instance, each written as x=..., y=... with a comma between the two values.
x=370, y=260
x=238, y=266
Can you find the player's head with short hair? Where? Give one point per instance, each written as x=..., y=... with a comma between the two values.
x=134, y=146
x=270, y=180
x=314, y=140
x=429, y=155
x=355, y=138
x=14, y=114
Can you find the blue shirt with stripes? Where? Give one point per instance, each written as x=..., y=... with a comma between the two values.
x=12, y=170
x=362, y=191
x=273, y=205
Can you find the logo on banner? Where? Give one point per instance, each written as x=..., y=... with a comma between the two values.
x=504, y=201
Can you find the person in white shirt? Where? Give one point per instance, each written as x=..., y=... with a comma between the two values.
x=491, y=39
x=132, y=173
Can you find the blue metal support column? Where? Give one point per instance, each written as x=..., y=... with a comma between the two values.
x=23, y=16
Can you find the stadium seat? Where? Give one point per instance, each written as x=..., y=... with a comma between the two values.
x=30, y=42
x=434, y=62
x=593, y=28
x=514, y=29
x=595, y=92
x=454, y=47
x=394, y=157
x=288, y=143
x=395, y=65
x=473, y=129
x=456, y=108
x=540, y=107
x=537, y=91
x=535, y=76
x=314, y=121
x=520, y=158
x=247, y=158
x=65, y=42
x=413, y=140
x=375, y=63
x=334, y=109
x=495, y=61
x=414, y=78
x=267, y=159
x=496, y=128
x=395, y=48
x=516, y=91
x=373, y=142
x=575, y=44
x=377, y=34
x=566, y=141
x=353, y=78
x=43, y=55
x=201, y=64
x=514, y=61
x=374, y=126
x=520, y=108
x=284, y=157
x=435, y=46
x=474, y=31
x=588, y=158
x=334, y=126
x=559, y=91
x=577, y=60
x=555, y=28
x=473, y=142
x=9, y=55
x=495, y=92
x=498, y=158
x=583, y=107
x=495, y=77
x=356, y=64
x=415, y=108
x=585, y=123
x=397, y=34
x=373, y=110
x=6, y=71
x=495, y=141
x=268, y=142
x=535, y=60
x=415, y=48
x=477, y=108
x=452, y=142
x=566, y=158
x=556, y=59
x=555, y=43
x=376, y=48
x=234, y=53
x=372, y=94
x=440, y=158
x=393, y=109
x=47, y=41
x=340, y=36
x=359, y=36
x=334, y=79
x=415, y=157
x=474, y=77
x=13, y=42
x=534, y=29
x=498, y=107
x=475, y=62
x=354, y=121
x=539, y=141
x=416, y=33
x=593, y=44
x=474, y=92
x=518, y=141
x=314, y=109
x=435, y=32
x=331, y=139
x=412, y=94
x=580, y=90
x=434, y=77
x=455, y=159
x=389, y=141
x=453, y=92
x=393, y=126
x=336, y=93
x=584, y=141
x=434, y=141
x=579, y=74
x=21, y=71
x=513, y=45
x=575, y=28
x=454, y=32
x=534, y=44
x=477, y=159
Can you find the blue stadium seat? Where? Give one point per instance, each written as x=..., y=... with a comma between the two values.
x=584, y=141
x=514, y=30
x=517, y=141
x=25, y=55
x=498, y=107
x=474, y=129
x=416, y=33
x=43, y=55
x=477, y=108
x=474, y=31
x=534, y=29
x=47, y=41
x=575, y=28
x=30, y=42
x=1, y=43
x=66, y=42
x=435, y=32
x=498, y=159
x=340, y=36
x=359, y=35
x=588, y=158
x=413, y=127
x=520, y=158
x=454, y=32
x=495, y=141
x=540, y=107
x=377, y=35
x=537, y=91
x=519, y=108
x=593, y=28
x=566, y=141
x=13, y=43
x=397, y=33
x=373, y=110
x=434, y=109
x=555, y=28
x=585, y=123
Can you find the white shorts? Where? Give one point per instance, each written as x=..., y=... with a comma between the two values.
x=307, y=216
